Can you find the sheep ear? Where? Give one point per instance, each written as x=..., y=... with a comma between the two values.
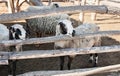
x=73, y=33
x=12, y=29
x=60, y=23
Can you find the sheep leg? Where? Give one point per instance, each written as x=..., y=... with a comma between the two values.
x=12, y=67
x=70, y=59
x=95, y=60
x=9, y=67
x=18, y=48
x=91, y=58
x=38, y=35
x=62, y=62
x=12, y=48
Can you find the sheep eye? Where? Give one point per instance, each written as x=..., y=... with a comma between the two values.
x=73, y=33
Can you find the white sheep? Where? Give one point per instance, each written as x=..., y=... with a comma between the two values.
x=44, y=25
x=65, y=28
x=17, y=31
x=4, y=33
x=35, y=8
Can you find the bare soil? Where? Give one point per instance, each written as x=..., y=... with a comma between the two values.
x=104, y=21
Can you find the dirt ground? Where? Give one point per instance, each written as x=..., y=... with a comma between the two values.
x=104, y=21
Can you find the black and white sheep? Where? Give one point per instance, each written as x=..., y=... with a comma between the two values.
x=4, y=33
x=44, y=25
x=65, y=27
x=17, y=31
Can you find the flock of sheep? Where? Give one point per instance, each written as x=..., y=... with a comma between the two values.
x=58, y=24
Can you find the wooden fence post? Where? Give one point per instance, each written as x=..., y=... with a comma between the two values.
x=93, y=15
x=81, y=15
x=11, y=8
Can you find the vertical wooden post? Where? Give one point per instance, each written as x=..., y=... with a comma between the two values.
x=11, y=8
x=14, y=62
x=36, y=2
x=12, y=67
x=49, y=2
x=81, y=15
x=93, y=15
x=76, y=2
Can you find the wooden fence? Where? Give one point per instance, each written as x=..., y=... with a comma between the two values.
x=5, y=56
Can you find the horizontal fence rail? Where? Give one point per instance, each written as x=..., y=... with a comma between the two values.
x=63, y=52
x=4, y=62
x=56, y=38
x=69, y=10
x=47, y=12
x=75, y=72
x=5, y=56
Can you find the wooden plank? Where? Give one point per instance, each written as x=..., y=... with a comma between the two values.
x=3, y=62
x=63, y=52
x=47, y=12
x=55, y=72
x=56, y=38
x=111, y=3
x=91, y=72
x=4, y=56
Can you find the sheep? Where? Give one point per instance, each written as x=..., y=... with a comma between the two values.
x=35, y=8
x=17, y=31
x=65, y=27
x=4, y=34
x=44, y=25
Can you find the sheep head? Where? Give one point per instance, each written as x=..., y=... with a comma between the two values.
x=17, y=32
x=65, y=27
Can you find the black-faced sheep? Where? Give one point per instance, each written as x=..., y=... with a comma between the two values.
x=64, y=27
x=17, y=31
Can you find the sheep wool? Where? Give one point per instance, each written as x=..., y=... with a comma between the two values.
x=45, y=25
x=4, y=32
x=90, y=41
x=4, y=35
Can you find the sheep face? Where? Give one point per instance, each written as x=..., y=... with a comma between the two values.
x=17, y=32
x=65, y=28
